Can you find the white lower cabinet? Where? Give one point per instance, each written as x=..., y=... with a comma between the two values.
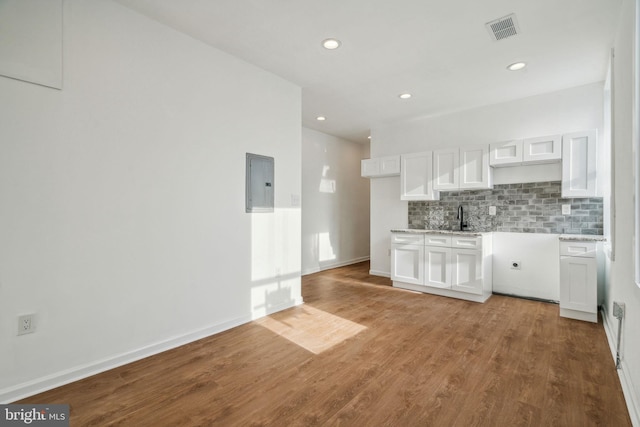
x=437, y=266
x=407, y=265
x=407, y=254
x=579, y=281
x=452, y=265
x=466, y=276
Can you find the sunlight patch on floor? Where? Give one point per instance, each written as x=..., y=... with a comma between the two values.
x=312, y=329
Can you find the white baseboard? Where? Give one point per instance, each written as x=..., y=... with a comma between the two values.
x=380, y=273
x=39, y=385
x=329, y=266
x=633, y=404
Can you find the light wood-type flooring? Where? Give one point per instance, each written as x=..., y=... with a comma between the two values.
x=361, y=353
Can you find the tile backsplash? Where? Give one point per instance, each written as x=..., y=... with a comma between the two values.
x=525, y=208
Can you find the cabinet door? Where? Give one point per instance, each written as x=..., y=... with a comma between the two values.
x=445, y=169
x=579, y=164
x=390, y=166
x=544, y=149
x=578, y=284
x=437, y=266
x=475, y=172
x=407, y=264
x=505, y=153
x=380, y=167
x=416, y=177
x=369, y=167
x=466, y=274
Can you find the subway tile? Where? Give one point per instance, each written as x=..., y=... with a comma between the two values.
x=534, y=206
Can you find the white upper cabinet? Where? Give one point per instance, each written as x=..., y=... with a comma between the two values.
x=505, y=153
x=380, y=167
x=579, y=164
x=465, y=168
x=445, y=169
x=475, y=172
x=416, y=177
x=530, y=151
x=544, y=149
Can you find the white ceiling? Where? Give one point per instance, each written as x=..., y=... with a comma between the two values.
x=438, y=50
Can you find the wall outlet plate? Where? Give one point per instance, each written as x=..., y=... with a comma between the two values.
x=492, y=210
x=26, y=324
x=566, y=210
x=618, y=310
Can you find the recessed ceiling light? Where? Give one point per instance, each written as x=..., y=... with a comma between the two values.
x=516, y=66
x=404, y=96
x=331, y=44
x=321, y=118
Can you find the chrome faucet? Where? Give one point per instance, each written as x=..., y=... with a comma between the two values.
x=461, y=218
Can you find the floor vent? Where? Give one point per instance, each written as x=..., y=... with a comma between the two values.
x=504, y=27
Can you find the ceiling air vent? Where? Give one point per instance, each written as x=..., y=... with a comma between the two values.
x=503, y=28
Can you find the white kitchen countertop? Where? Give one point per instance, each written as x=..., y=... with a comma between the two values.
x=562, y=237
x=582, y=238
x=451, y=232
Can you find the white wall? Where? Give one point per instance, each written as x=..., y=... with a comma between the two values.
x=122, y=217
x=570, y=110
x=538, y=256
x=620, y=285
x=335, y=202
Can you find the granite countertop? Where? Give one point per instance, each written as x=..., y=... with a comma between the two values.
x=582, y=238
x=450, y=232
x=562, y=237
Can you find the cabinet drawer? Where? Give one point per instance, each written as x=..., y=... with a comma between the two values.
x=579, y=249
x=437, y=240
x=407, y=239
x=471, y=242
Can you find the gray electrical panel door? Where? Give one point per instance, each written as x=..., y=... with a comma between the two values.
x=260, y=185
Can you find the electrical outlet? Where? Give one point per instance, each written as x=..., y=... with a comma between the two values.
x=492, y=210
x=26, y=324
x=566, y=210
x=618, y=310
x=516, y=265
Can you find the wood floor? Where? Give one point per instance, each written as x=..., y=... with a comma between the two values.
x=361, y=353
